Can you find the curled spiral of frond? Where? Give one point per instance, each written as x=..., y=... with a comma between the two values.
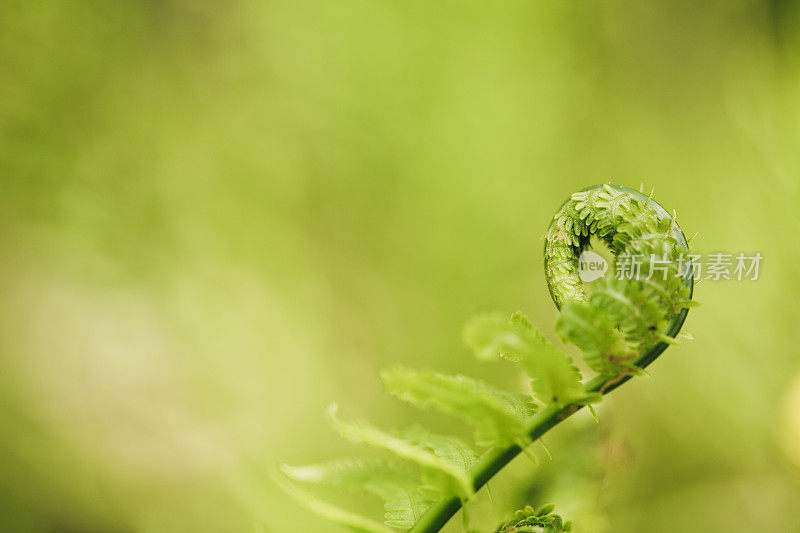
x=624, y=219
x=624, y=315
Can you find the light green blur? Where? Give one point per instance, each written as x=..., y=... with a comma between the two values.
x=218, y=217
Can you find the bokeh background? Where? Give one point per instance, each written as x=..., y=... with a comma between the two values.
x=217, y=217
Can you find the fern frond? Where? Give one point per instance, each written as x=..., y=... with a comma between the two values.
x=621, y=326
x=605, y=348
x=554, y=379
x=636, y=307
x=448, y=448
x=497, y=416
x=446, y=475
x=530, y=520
x=329, y=511
x=395, y=484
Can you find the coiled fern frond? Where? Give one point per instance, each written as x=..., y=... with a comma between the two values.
x=530, y=520
x=619, y=323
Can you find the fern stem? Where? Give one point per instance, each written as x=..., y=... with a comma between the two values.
x=495, y=460
x=490, y=464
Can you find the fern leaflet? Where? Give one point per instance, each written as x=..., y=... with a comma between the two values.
x=498, y=417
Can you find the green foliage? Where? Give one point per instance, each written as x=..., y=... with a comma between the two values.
x=416, y=446
x=623, y=316
x=392, y=481
x=497, y=416
x=554, y=379
x=449, y=449
x=329, y=511
x=605, y=348
x=541, y=520
x=615, y=326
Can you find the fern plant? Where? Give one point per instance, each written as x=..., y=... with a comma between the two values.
x=619, y=323
x=530, y=520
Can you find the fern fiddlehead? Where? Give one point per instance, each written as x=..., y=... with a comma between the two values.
x=621, y=325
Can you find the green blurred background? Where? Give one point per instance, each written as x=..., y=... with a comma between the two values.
x=217, y=217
